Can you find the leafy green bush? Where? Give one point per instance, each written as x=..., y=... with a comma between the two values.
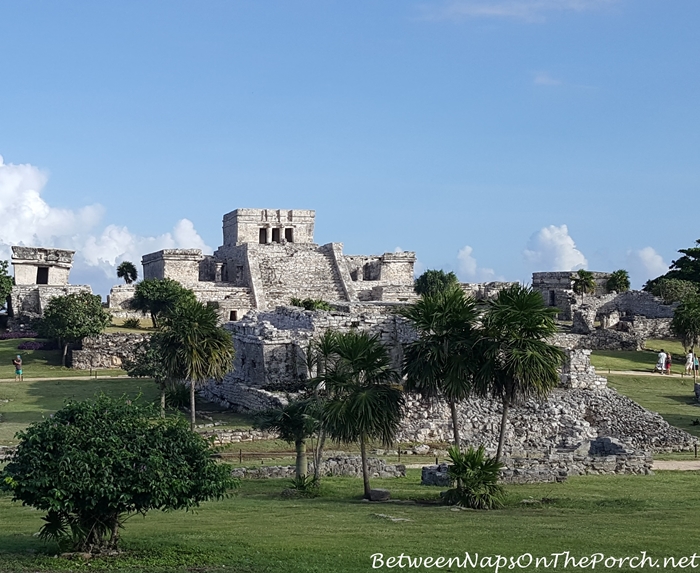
x=619, y=281
x=310, y=303
x=476, y=478
x=132, y=323
x=305, y=486
x=94, y=463
x=672, y=290
x=435, y=281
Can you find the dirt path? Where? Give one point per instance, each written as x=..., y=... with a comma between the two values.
x=677, y=465
x=58, y=379
x=604, y=372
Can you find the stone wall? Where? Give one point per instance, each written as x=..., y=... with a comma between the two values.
x=27, y=302
x=243, y=225
x=108, y=350
x=56, y=263
x=181, y=265
x=599, y=456
x=568, y=418
x=345, y=466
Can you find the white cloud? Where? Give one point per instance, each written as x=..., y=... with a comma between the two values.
x=544, y=79
x=525, y=10
x=645, y=264
x=469, y=271
x=552, y=249
x=27, y=219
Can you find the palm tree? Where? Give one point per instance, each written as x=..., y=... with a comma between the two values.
x=194, y=346
x=619, y=281
x=440, y=362
x=364, y=401
x=583, y=282
x=686, y=323
x=517, y=360
x=294, y=423
x=127, y=271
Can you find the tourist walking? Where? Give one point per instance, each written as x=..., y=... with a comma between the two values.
x=669, y=363
x=17, y=363
x=661, y=362
x=689, y=363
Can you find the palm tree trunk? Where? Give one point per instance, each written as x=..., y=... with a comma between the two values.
x=318, y=454
x=192, y=406
x=365, y=469
x=162, y=399
x=65, y=352
x=502, y=435
x=301, y=467
x=455, y=424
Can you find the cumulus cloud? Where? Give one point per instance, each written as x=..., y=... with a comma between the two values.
x=525, y=10
x=645, y=264
x=29, y=220
x=469, y=271
x=553, y=249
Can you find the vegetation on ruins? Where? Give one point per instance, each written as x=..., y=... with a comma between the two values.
x=72, y=317
x=6, y=282
x=475, y=476
x=97, y=462
x=516, y=360
x=583, y=282
x=672, y=290
x=159, y=296
x=294, y=423
x=686, y=323
x=193, y=346
x=311, y=303
x=365, y=401
x=435, y=281
x=440, y=362
x=127, y=271
x=619, y=281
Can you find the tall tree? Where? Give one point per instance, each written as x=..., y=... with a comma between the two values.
x=685, y=268
x=440, y=362
x=294, y=423
x=147, y=362
x=159, y=296
x=517, y=360
x=365, y=401
x=619, y=281
x=434, y=281
x=127, y=271
x=194, y=347
x=72, y=317
x=6, y=283
x=686, y=323
x=583, y=282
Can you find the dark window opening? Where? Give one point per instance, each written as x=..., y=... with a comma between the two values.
x=275, y=235
x=42, y=276
x=263, y=236
x=233, y=315
x=552, y=298
x=353, y=275
x=289, y=235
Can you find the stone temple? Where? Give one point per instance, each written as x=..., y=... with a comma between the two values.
x=268, y=256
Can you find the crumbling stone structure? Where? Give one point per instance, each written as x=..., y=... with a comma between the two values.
x=267, y=257
x=40, y=275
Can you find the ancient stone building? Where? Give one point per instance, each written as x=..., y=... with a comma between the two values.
x=40, y=275
x=267, y=258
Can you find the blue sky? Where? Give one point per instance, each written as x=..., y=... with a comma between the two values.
x=494, y=138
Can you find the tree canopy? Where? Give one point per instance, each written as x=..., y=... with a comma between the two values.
x=194, y=347
x=686, y=322
x=94, y=463
x=6, y=282
x=72, y=317
x=583, y=282
x=434, y=281
x=159, y=296
x=127, y=271
x=672, y=290
x=685, y=268
x=619, y=281
x=440, y=362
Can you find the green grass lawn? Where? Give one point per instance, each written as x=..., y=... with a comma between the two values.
x=642, y=361
x=39, y=363
x=673, y=398
x=257, y=531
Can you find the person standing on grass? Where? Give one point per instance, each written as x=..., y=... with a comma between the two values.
x=17, y=363
x=689, y=363
x=669, y=363
x=661, y=362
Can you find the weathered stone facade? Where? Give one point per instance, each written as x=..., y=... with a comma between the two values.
x=108, y=350
x=267, y=258
x=347, y=466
